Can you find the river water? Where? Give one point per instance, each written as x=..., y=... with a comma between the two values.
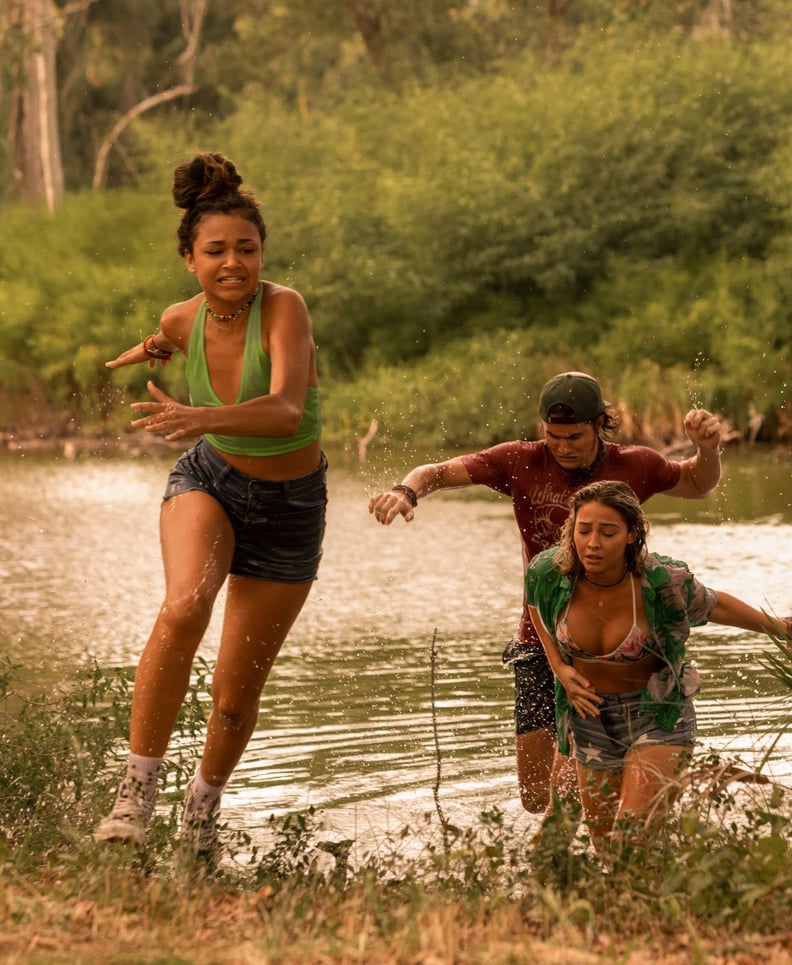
x=346, y=722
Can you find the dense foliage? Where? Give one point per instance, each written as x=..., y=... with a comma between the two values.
x=615, y=198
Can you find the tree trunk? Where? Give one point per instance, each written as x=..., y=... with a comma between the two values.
x=35, y=138
x=369, y=26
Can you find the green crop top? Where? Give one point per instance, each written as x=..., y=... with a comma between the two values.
x=256, y=375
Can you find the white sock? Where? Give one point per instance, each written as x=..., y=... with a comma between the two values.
x=143, y=775
x=203, y=796
x=138, y=790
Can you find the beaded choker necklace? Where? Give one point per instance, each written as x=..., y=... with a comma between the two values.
x=232, y=315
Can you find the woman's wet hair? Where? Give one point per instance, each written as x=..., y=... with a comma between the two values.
x=211, y=184
x=618, y=496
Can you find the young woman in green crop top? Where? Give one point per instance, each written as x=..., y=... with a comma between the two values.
x=245, y=504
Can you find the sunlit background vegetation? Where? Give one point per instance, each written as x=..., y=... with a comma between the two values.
x=470, y=196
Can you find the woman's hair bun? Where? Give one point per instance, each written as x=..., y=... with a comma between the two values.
x=206, y=175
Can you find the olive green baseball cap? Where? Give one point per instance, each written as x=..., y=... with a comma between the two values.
x=578, y=393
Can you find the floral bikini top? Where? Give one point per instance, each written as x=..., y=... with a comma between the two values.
x=632, y=648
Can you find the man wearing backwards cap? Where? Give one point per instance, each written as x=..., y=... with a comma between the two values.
x=540, y=477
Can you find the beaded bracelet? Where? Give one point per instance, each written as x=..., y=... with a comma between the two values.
x=409, y=492
x=150, y=348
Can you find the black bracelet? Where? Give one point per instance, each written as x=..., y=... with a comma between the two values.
x=409, y=492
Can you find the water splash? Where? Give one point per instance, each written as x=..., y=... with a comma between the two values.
x=692, y=381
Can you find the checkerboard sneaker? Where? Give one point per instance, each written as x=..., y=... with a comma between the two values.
x=129, y=817
x=199, y=826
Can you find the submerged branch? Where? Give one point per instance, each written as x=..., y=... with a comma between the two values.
x=438, y=760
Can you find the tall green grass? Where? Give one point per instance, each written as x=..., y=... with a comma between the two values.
x=718, y=871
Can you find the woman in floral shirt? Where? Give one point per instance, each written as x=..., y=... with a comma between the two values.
x=614, y=620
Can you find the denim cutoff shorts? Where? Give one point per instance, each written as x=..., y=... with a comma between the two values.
x=534, y=687
x=278, y=526
x=601, y=743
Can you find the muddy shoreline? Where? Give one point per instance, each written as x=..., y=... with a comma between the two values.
x=74, y=445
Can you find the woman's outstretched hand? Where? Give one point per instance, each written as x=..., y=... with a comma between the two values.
x=134, y=356
x=167, y=417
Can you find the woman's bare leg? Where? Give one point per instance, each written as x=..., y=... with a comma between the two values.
x=197, y=546
x=650, y=783
x=600, y=793
x=536, y=760
x=258, y=617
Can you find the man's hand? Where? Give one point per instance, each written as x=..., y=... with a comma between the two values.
x=703, y=429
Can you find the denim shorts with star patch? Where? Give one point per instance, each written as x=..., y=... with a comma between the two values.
x=602, y=743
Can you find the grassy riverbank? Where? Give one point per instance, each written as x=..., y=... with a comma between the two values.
x=151, y=921
x=714, y=887
x=707, y=900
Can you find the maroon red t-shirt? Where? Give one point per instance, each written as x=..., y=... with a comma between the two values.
x=540, y=489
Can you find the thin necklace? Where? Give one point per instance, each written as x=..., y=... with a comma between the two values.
x=232, y=315
x=614, y=583
x=588, y=579
x=604, y=585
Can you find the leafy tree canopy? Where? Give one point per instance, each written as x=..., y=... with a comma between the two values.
x=606, y=188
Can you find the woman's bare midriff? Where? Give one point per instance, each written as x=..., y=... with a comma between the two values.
x=287, y=465
x=612, y=677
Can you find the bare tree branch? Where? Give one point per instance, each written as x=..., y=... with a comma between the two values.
x=76, y=6
x=100, y=168
x=193, y=13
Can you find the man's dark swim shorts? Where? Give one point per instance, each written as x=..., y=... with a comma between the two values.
x=534, y=687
